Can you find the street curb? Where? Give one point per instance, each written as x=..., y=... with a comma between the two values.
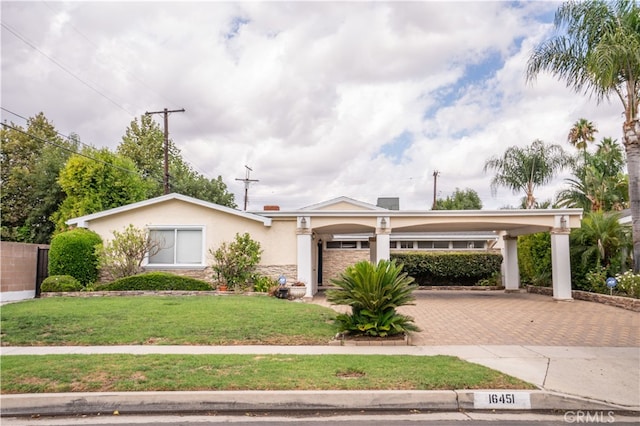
x=258, y=401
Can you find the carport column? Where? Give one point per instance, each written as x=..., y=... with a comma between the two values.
x=304, y=259
x=383, y=234
x=560, y=260
x=511, y=270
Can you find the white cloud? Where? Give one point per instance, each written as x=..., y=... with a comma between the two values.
x=305, y=93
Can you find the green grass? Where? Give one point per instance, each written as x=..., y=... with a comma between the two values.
x=101, y=373
x=184, y=320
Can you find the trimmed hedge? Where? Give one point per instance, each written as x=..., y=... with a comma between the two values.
x=156, y=281
x=60, y=283
x=73, y=253
x=534, y=258
x=449, y=268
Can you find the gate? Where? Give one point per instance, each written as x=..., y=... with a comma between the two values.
x=42, y=270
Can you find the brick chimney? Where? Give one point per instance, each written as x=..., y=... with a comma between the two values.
x=271, y=208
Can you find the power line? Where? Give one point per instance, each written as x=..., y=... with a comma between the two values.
x=65, y=69
x=73, y=151
x=57, y=132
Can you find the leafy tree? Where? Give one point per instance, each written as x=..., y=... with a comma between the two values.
x=143, y=143
x=123, y=255
x=374, y=292
x=595, y=49
x=466, y=199
x=524, y=169
x=31, y=160
x=235, y=262
x=599, y=183
x=581, y=134
x=97, y=180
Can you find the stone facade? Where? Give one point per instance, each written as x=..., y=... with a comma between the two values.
x=334, y=262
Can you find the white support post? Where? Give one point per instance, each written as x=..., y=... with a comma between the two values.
x=305, y=254
x=383, y=239
x=560, y=264
x=510, y=259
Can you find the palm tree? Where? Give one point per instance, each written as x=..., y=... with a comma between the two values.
x=581, y=134
x=524, y=169
x=600, y=238
x=599, y=184
x=595, y=50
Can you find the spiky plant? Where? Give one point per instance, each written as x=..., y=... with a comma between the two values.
x=374, y=292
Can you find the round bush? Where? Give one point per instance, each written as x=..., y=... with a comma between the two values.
x=157, y=281
x=58, y=283
x=73, y=253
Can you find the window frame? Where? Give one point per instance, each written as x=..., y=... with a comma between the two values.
x=176, y=228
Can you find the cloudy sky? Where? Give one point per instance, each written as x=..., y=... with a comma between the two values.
x=320, y=99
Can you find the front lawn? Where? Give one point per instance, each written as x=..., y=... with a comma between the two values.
x=183, y=320
x=103, y=373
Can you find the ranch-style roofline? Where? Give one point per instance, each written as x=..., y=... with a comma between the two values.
x=421, y=213
x=82, y=220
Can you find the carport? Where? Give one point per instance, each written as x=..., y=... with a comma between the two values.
x=345, y=216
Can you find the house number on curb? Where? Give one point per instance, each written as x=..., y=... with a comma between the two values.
x=510, y=400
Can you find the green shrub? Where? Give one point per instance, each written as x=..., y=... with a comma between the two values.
x=263, y=284
x=596, y=280
x=73, y=253
x=534, y=258
x=235, y=262
x=449, y=268
x=374, y=293
x=156, y=281
x=629, y=283
x=58, y=283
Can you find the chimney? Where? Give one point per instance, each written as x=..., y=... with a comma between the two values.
x=389, y=203
x=271, y=208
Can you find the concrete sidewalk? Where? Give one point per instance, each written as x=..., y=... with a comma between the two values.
x=569, y=377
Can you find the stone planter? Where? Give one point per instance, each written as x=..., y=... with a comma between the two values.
x=297, y=292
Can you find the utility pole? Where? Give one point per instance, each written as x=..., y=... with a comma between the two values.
x=435, y=180
x=247, y=181
x=166, y=112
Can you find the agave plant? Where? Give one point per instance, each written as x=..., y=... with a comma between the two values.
x=374, y=292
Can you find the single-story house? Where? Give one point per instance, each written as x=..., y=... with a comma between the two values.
x=315, y=243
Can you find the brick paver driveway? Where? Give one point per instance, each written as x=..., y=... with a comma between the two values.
x=498, y=318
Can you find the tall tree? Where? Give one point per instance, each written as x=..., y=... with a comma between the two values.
x=31, y=160
x=466, y=199
x=581, y=134
x=143, y=143
x=524, y=169
x=595, y=49
x=97, y=180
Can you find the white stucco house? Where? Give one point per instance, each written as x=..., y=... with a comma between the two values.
x=314, y=243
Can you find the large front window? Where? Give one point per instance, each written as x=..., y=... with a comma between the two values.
x=178, y=246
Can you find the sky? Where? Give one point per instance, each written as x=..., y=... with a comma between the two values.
x=320, y=99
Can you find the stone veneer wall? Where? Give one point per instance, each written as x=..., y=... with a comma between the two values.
x=334, y=262
x=207, y=274
x=628, y=303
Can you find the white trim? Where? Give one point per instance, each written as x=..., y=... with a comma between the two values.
x=82, y=220
x=343, y=200
x=201, y=265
